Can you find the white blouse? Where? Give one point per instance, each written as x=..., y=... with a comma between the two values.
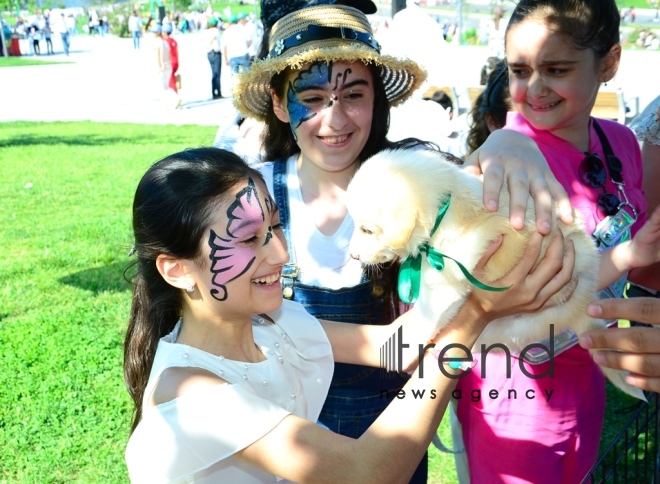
x=647, y=125
x=324, y=260
x=192, y=438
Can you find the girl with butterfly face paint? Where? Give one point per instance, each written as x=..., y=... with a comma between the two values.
x=227, y=378
x=329, y=107
x=248, y=231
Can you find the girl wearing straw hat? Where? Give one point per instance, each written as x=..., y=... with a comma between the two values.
x=324, y=93
x=308, y=54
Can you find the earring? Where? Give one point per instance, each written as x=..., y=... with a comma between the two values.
x=190, y=287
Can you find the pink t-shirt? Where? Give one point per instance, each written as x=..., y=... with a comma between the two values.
x=547, y=430
x=564, y=160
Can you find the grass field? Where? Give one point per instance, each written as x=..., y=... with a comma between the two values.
x=22, y=61
x=66, y=195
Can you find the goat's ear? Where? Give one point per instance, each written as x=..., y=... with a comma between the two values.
x=399, y=224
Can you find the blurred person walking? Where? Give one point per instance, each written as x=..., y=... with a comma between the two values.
x=48, y=35
x=60, y=27
x=163, y=65
x=34, y=35
x=135, y=28
x=173, y=47
x=214, y=55
x=236, y=44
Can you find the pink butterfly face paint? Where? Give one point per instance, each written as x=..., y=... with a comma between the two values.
x=233, y=255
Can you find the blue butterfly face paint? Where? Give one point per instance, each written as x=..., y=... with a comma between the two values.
x=303, y=97
x=317, y=76
x=330, y=111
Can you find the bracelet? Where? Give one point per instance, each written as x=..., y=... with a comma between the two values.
x=455, y=364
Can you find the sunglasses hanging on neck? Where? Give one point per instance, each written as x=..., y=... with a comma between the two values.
x=593, y=174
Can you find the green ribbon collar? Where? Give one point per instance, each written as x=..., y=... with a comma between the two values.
x=410, y=273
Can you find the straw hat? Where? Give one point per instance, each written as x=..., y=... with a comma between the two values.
x=328, y=33
x=273, y=10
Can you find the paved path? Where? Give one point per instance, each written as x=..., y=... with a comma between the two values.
x=107, y=80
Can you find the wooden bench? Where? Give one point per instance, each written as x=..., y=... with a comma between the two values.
x=610, y=105
x=473, y=93
x=448, y=90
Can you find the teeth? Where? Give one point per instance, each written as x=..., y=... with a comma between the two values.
x=335, y=139
x=267, y=280
x=546, y=106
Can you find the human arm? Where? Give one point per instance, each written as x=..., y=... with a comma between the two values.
x=651, y=162
x=511, y=157
x=643, y=250
x=649, y=276
x=360, y=344
x=289, y=446
x=391, y=449
x=159, y=55
x=634, y=349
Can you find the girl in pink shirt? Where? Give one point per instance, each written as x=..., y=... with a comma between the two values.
x=547, y=430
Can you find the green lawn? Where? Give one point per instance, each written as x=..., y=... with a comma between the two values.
x=23, y=61
x=66, y=195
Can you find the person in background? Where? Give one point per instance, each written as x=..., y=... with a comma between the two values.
x=60, y=27
x=135, y=28
x=214, y=55
x=174, y=59
x=48, y=34
x=34, y=35
x=489, y=110
x=236, y=41
x=163, y=61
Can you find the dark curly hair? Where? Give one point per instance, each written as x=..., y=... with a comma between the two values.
x=494, y=101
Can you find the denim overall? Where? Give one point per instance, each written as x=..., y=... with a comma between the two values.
x=354, y=399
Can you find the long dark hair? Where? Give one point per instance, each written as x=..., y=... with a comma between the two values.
x=591, y=24
x=175, y=203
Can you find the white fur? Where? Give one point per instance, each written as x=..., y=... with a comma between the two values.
x=394, y=199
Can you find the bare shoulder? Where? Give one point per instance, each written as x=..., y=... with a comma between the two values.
x=178, y=381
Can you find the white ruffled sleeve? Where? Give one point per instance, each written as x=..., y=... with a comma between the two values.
x=197, y=430
x=647, y=125
x=310, y=353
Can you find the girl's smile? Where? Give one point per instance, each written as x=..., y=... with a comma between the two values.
x=329, y=107
x=246, y=250
x=554, y=84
